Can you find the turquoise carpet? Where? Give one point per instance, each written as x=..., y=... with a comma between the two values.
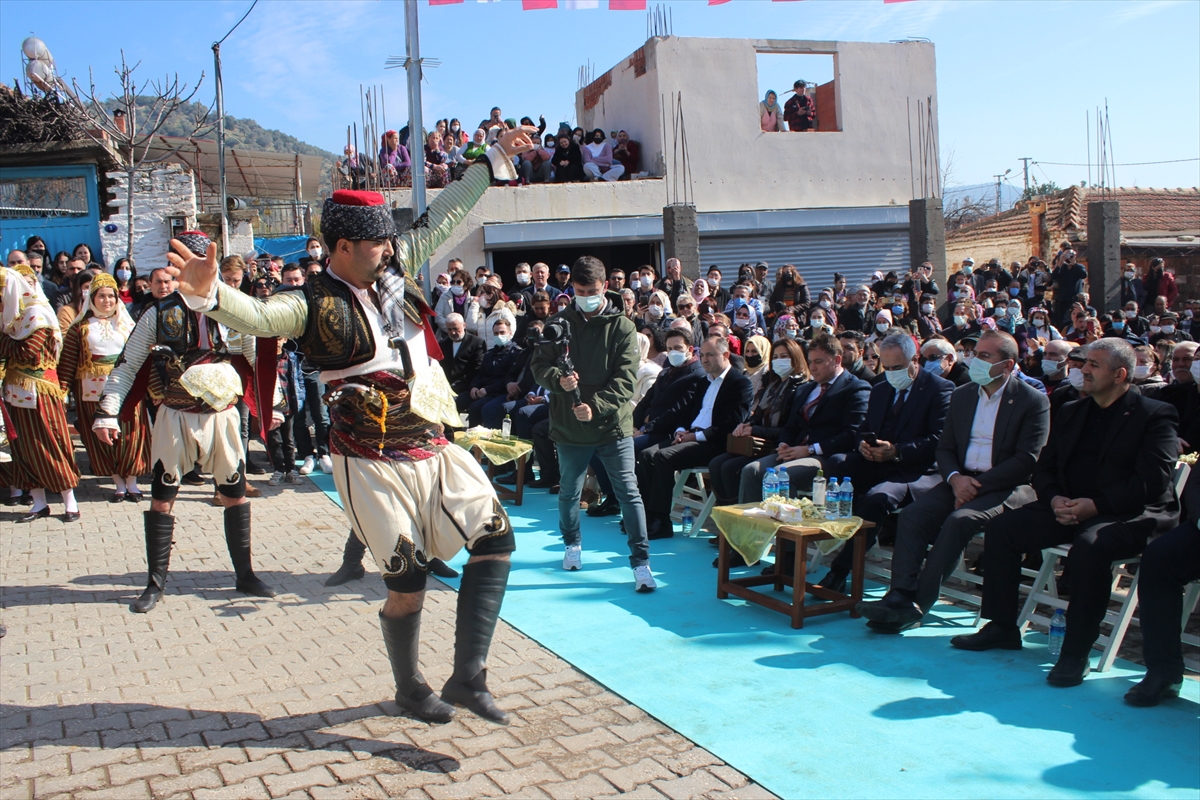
x=833, y=710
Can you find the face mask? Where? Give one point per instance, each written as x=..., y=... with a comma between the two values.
x=589, y=304
x=1130, y=315
x=753, y=361
x=676, y=358
x=816, y=324
x=899, y=379
x=645, y=282
x=1012, y=311
x=926, y=309
x=791, y=333
x=960, y=320
x=1039, y=323
x=315, y=252
x=523, y=278
x=1128, y=275
x=655, y=312
x=1075, y=378
x=501, y=339
x=457, y=290
x=1014, y=290
x=1155, y=329
x=1195, y=370
x=124, y=275
x=741, y=322
x=933, y=367
x=825, y=304
x=980, y=372
x=898, y=310
x=782, y=367
x=1141, y=372
x=1168, y=329
x=968, y=269
x=1118, y=326
x=1050, y=366
x=967, y=359
x=454, y=128
x=715, y=283
x=882, y=327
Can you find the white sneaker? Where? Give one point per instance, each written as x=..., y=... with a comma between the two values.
x=309, y=465
x=275, y=479
x=573, y=558
x=292, y=477
x=643, y=581
x=327, y=465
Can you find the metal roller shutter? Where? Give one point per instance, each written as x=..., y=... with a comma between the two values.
x=817, y=255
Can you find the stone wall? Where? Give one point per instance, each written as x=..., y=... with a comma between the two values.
x=165, y=191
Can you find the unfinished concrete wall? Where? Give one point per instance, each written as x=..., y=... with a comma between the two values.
x=167, y=190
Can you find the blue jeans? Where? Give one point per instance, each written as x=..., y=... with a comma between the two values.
x=617, y=458
x=315, y=444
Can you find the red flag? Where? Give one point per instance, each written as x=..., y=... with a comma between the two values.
x=444, y=2
x=535, y=5
x=626, y=5
x=717, y=2
x=896, y=1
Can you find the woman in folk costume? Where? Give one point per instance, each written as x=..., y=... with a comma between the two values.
x=30, y=341
x=91, y=347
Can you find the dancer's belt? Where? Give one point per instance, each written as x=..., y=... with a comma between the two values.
x=370, y=417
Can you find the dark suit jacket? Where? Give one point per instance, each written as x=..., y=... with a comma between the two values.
x=916, y=429
x=460, y=369
x=672, y=389
x=730, y=408
x=1022, y=425
x=836, y=418
x=1135, y=469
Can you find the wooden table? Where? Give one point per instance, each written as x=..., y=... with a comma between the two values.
x=797, y=610
x=515, y=494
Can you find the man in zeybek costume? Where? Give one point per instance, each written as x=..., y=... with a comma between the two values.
x=409, y=494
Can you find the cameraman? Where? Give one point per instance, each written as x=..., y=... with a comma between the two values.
x=603, y=349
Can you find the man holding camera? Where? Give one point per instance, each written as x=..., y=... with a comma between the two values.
x=588, y=360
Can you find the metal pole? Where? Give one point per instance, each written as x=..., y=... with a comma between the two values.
x=221, y=150
x=1026, y=162
x=997, y=177
x=416, y=144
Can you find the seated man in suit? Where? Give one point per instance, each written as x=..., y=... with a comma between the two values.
x=462, y=353
x=491, y=381
x=1103, y=483
x=672, y=390
x=701, y=429
x=826, y=415
x=905, y=414
x=995, y=429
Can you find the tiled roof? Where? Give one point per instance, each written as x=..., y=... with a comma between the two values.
x=1142, y=211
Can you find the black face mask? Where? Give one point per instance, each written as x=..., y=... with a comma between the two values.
x=753, y=361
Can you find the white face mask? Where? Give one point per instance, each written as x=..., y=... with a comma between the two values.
x=899, y=379
x=523, y=278
x=1155, y=329
x=315, y=252
x=1130, y=315
x=589, y=304
x=1141, y=372
x=1128, y=274
x=816, y=324
x=1039, y=323
x=501, y=339
x=825, y=304
x=960, y=320
x=1050, y=366
x=926, y=309
x=655, y=312
x=676, y=358
x=791, y=333
x=1195, y=370
x=782, y=367
x=1168, y=329
x=646, y=281
x=457, y=290
x=1075, y=378
x=882, y=327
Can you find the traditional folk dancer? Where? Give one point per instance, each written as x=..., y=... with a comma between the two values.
x=91, y=347
x=410, y=495
x=181, y=358
x=36, y=422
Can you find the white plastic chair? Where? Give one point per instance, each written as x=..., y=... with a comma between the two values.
x=699, y=498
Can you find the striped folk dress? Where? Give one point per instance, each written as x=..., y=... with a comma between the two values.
x=43, y=456
x=83, y=373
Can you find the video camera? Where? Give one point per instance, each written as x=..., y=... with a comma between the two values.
x=556, y=331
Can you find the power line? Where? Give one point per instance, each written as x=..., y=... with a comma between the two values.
x=239, y=22
x=1133, y=164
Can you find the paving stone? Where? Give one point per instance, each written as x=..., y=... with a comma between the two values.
x=585, y=787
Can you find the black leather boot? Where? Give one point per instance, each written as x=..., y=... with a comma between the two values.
x=403, y=639
x=479, y=600
x=237, y=537
x=351, y=568
x=159, y=530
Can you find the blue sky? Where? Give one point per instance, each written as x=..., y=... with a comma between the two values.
x=1015, y=78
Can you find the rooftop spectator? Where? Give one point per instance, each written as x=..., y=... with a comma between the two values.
x=393, y=160
x=537, y=165
x=568, y=161
x=437, y=162
x=800, y=111
x=770, y=115
x=598, y=159
x=628, y=153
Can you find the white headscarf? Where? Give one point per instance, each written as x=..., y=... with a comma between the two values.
x=24, y=308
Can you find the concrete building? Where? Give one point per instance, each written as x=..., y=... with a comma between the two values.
x=835, y=199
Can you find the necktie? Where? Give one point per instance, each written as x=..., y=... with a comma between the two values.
x=811, y=404
x=900, y=398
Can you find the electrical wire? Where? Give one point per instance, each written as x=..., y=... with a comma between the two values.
x=1133, y=164
x=239, y=22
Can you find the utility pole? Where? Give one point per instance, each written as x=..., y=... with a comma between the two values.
x=1026, y=162
x=224, y=200
x=412, y=51
x=998, y=179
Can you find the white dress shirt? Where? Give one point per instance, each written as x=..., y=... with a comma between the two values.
x=983, y=430
x=704, y=418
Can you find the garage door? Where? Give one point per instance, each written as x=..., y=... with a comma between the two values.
x=816, y=255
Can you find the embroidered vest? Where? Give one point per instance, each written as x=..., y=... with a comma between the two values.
x=179, y=329
x=337, y=334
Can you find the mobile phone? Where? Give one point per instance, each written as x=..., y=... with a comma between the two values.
x=870, y=438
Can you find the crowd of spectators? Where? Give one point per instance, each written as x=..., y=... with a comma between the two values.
x=569, y=155
x=1005, y=403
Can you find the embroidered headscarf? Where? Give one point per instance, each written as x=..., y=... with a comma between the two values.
x=24, y=308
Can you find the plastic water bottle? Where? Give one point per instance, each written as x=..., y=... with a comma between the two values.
x=1058, y=631
x=833, y=499
x=847, y=499
x=818, y=491
x=506, y=427
x=687, y=522
x=769, y=483
x=783, y=482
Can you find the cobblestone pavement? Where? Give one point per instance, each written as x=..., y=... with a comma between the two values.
x=216, y=695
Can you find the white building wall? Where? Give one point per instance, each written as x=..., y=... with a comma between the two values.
x=166, y=190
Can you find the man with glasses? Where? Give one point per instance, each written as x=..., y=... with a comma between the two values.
x=994, y=431
x=1104, y=485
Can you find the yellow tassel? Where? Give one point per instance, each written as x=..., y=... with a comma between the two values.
x=380, y=418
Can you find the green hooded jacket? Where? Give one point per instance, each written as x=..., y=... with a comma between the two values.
x=605, y=354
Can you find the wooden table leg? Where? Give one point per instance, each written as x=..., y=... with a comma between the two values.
x=520, y=493
x=722, y=565
x=799, y=584
x=858, y=571
x=778, y=564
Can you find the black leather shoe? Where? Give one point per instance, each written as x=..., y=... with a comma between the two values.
x=35, y=515
x=254, y=587
x=117, y=497
x=147, y=601
x=541, y=483
x=508, y=479
x=833, y=581
x=735, y=560
x=1069, y=671
x=893, y=627
x=442, y=569
x=192, y=478
x=345, y=574
x=893, y=609
x=254, y=469
x=133, y=497
x=609, y=507
x=71, y=516
x=990, y=637
x=1153, y=688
